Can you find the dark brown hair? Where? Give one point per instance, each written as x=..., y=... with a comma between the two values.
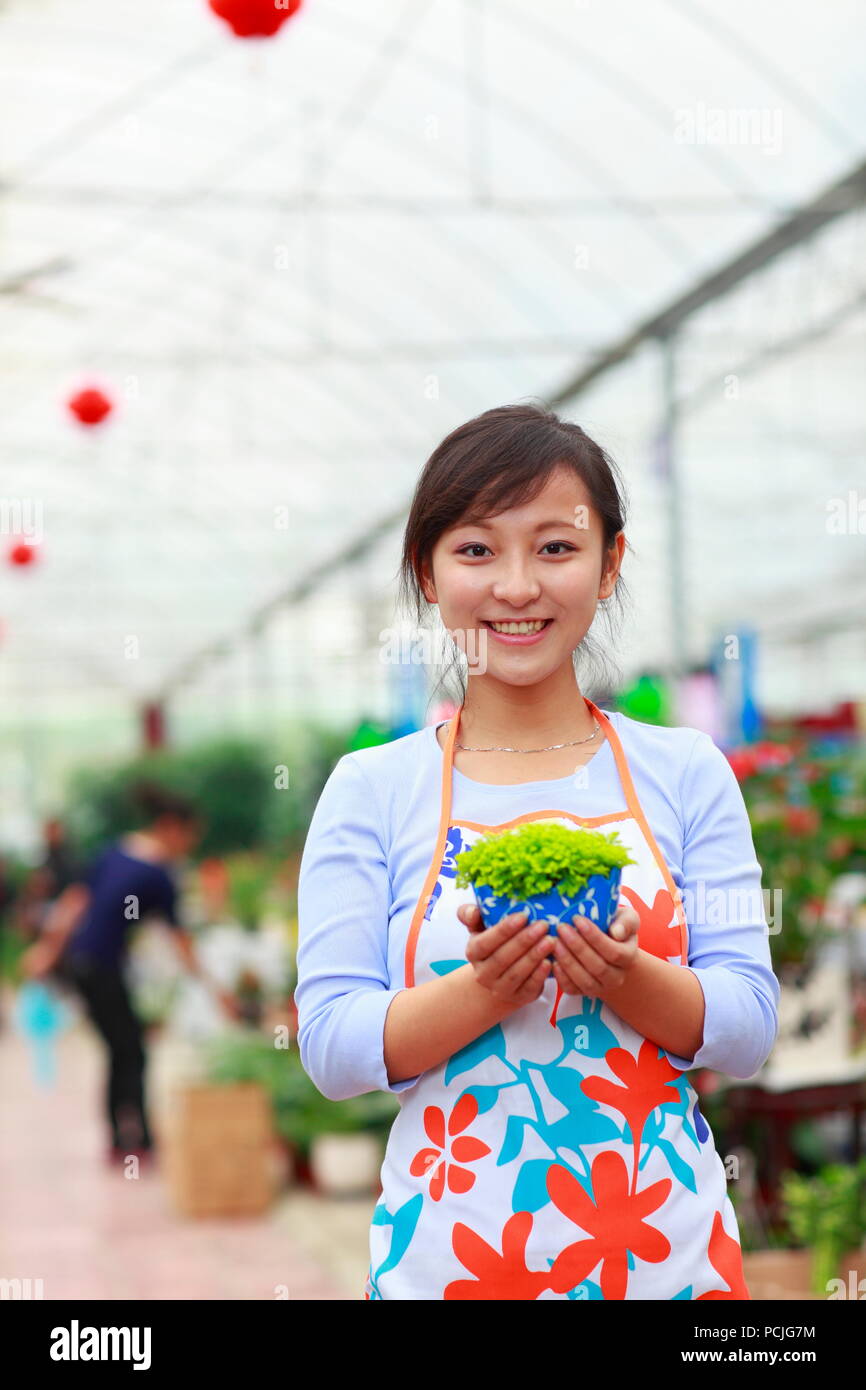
x=154, y=801
x=498, y=460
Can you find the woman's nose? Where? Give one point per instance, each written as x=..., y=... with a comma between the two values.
x=517, y=587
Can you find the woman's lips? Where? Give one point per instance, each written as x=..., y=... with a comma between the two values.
x=518, y=639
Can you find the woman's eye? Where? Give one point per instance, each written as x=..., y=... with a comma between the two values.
x=478, y=545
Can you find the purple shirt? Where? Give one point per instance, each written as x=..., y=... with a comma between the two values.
x=371, y=839
x=120, y=884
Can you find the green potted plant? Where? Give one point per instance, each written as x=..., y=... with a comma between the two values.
x=249, y=881
x=347, y=1149
x=827, y=1212
x=554, y=872
x=304, y=1119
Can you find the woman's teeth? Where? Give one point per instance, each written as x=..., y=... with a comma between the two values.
x=517, y=628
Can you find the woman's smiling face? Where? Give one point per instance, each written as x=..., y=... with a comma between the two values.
x=540, y=560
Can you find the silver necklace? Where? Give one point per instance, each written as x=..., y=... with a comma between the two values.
x=548, y=749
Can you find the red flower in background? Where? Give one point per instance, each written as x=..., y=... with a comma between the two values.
x=813, y=910
x=801, y=820
x=759, y=757
x=742, y=761
x=255, y=19
x=840, y=846
x=773, y=754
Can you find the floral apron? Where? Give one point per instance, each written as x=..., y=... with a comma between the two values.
x=560, y=1154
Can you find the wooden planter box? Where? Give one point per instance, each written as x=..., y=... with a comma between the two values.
x=785, y=1274
x=221, y=1157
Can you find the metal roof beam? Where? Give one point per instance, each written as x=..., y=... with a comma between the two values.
x=841, y=197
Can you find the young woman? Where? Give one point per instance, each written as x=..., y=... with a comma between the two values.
x=549, y=1144
x=85, y=943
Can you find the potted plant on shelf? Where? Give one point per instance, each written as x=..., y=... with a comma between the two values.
x=827, y=1213
x=554, y=872
x=252, y=1056
x=335, y=1145
x=249, y=881
x=346, y=1151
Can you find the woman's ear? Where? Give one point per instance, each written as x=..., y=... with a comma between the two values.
x=428, y=588
x=612, y=565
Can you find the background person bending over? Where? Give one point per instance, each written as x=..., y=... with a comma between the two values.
x=85, y=942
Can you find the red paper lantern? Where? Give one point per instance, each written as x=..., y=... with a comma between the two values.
x=90, y=406
x=22, y=553
x=255, y=19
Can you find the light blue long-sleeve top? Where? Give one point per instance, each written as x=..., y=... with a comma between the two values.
x=371, y=840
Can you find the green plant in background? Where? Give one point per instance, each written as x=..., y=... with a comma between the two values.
x=14, y=938
x=233, y=781
x=154, y=1000
x=300, y=1111
x=230, y=781
x=12, y=948
x=537, y=858
x=310, y=751
x=250, y=880
x=828, y=1213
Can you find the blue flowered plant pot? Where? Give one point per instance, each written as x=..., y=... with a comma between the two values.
x=597, y=900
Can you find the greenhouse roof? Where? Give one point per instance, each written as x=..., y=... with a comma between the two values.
x=294, y=264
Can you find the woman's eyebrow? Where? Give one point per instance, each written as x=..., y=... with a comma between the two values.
x=542, y=525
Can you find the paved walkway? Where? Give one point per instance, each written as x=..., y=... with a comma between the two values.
x=88, y=1232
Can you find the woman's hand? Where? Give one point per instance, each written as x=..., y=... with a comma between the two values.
x=592, y=962
x=509, y=959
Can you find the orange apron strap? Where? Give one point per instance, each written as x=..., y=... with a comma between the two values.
x=637, y=811
x=439, y=851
